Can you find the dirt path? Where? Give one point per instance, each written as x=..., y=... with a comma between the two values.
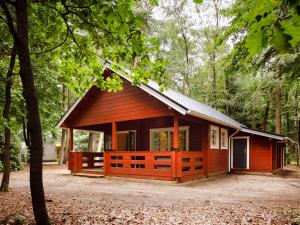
x=232, y=199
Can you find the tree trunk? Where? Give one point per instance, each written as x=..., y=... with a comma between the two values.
x=64, y=133
x=92, y=142
x=214, y=84
x=287, y=115
x=34, y=123
x=278, y=108
x=7, y=133
x=62, y=146
x=187, y=58
x=265, y=116
x=216, y=5
x=253, y=122
x=298, y=146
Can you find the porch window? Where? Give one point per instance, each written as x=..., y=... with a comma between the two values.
x=161, y=139
x=214, y=137
x=224, y=138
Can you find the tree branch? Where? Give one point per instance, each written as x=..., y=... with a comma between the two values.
x=9, y=20
x=63, y=15
x=11, y=2
x=55, y=47
x=83, y=7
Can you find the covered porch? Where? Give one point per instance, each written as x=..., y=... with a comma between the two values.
x=164, y=148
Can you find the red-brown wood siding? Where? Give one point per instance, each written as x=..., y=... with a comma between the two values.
x=260, y=155
x=218, y=161
x=99, y=107
x=217, y=158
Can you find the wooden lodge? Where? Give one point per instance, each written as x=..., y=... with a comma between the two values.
x=164, y=135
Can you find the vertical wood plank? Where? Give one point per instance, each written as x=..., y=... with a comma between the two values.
x=114, y=136
x=271, y=155
x=71, y=141
x=176, y=133
x=106, y=161
x=206, y=137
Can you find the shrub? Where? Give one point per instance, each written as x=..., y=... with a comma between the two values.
x=17, y=156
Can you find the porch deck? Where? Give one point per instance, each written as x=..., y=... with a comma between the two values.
x=162, y=165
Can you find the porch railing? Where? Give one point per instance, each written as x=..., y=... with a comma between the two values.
x=78, y=161
x=169, y=165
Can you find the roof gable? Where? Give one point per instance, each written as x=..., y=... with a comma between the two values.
x=99, y=107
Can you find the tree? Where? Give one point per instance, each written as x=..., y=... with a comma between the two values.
x=20, y=35
x=111, y=27
x=6, y=116
x=265, y=37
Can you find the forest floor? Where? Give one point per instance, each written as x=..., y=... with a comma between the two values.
x=230, y=199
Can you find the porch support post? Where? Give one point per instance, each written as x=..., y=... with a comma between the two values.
x=114, y=136
x=71, y=141
x=176, y=133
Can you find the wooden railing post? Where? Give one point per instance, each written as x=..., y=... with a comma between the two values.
x=71, y=161
x=90, y=159
x=114, y=136
x=179, y=164
x=78, y=161
x=106, y=162
x=175, y=164
x=176, y=133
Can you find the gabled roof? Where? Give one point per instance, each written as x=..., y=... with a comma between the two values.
x=181, y=103
x=196, y=108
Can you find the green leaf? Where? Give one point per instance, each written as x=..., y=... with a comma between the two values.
x=255, y=42
x=280, y=40
x=154, y=2
x=198, y=1
x=292, y=28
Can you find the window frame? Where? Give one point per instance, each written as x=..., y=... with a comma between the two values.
x=226, y=138
x=216, y=128
x=169, y=129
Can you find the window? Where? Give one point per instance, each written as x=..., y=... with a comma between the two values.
x=214, y=137
x=161, y=139
x=224, y=138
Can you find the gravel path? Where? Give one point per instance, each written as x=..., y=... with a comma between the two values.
x=231, y=199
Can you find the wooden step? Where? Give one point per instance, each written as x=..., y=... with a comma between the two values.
x=89, y=175
x=92, y=170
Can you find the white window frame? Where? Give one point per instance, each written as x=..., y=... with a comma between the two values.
x=216, y=128
x=127, y=132
x=223, y=130
x=169, y=129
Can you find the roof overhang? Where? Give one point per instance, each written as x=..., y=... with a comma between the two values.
x=65, y=116
x=203, y=116
x=264, y=134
